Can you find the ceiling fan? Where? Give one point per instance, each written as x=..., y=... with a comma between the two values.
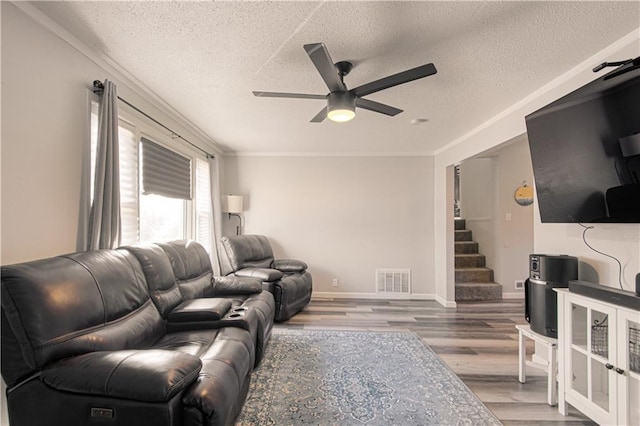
x=341, y=102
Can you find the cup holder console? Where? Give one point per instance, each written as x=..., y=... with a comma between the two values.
x=237, y=313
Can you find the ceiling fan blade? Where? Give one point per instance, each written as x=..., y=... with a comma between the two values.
x=289, y=95
x=395, y=79
x=319, y=118
x=377, y=107
x=321, y=59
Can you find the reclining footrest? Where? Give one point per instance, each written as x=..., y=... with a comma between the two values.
x=152, y=375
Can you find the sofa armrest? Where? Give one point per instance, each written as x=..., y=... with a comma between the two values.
x=226, y=286
x=264, y=274
x=202, y=309
x=141, y=375
x=289, y=265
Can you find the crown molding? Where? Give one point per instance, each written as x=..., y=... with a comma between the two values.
x=587, y=64
x=328, y=154
x=118, y=71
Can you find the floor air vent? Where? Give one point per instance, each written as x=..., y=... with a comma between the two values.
x=393, y=281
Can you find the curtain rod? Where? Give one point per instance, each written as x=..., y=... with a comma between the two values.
x=98, y=88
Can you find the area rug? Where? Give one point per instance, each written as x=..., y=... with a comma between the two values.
x=310, y=377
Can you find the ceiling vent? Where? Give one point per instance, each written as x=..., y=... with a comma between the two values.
x=393, y=281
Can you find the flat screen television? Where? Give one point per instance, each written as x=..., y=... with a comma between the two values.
x=585, y=151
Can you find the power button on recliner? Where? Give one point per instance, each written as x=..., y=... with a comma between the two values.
x=103, y=413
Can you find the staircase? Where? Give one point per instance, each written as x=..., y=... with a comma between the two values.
x=474, y=281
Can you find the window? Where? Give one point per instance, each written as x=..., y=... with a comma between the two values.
x=204, y=218
x=156, y=186
x=161, y=218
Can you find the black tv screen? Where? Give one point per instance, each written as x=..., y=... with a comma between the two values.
x=585, y=151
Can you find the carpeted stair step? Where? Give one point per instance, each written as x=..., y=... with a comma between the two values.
x=478, y=291
x=470, y=260
x=462, y=235
x=460, y=224
x=474, y=275
x=466, y=247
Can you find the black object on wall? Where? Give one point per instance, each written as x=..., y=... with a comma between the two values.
x=547, y=272
x=583, y=145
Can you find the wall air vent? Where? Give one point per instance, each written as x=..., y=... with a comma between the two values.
x=393, y=281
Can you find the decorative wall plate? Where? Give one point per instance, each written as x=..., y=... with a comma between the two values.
x=524, y=194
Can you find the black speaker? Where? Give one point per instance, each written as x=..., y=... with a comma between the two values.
x=638, y=284
x=551, y=268
x=547, y=272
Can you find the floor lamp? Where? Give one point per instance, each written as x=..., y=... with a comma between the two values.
x=234, y=208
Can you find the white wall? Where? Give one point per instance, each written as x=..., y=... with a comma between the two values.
x=478, y=188
x=516, y=234
x=344, y=216
x=622, y=240
x=45, y=88
x=619, y=240
x=488, y=184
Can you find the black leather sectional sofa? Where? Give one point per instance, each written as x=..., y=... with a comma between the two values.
x=140, y=335
x=288, y=279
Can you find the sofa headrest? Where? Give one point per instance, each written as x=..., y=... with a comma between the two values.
x=160, y=278
x=246, y=251
x=191, y=266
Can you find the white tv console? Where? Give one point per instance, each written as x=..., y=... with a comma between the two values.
x=598, y=359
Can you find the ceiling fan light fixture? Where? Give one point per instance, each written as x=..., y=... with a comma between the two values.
x=341, y=106
x=341, y=115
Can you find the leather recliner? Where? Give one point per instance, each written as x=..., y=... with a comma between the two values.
x=181, y=284
x=288, y=279
x=84, y=344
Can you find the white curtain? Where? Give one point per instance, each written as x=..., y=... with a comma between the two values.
x=216, y=212
x=104, y=219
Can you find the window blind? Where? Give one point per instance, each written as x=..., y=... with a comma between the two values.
x=128, y=185
x=165, y=172
x=203, y=204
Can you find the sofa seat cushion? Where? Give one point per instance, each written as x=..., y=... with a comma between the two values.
x=201, y=343
x=141, y=375
x=194, y=310
x=227, y=356
x=264, y=274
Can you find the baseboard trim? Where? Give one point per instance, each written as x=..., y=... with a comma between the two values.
x=445, y=303
x=377, y=296
x=513, y=295
x=341, y=295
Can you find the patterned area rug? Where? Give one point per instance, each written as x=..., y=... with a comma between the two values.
x=355, y=378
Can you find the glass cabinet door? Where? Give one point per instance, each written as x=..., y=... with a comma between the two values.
x=629, y=368
x=592, y=355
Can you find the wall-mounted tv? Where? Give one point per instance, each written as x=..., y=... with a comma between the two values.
x=585, y=151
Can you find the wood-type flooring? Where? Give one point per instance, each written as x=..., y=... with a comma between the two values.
x=477, y=340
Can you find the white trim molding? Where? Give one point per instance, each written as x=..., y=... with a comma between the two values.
x=513, y=295
x=119, y=72
x=339, y=295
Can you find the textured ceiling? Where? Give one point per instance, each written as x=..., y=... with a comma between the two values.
x=205, y=58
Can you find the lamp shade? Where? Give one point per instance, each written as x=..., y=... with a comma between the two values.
x=630, y=145
x=233, y=204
